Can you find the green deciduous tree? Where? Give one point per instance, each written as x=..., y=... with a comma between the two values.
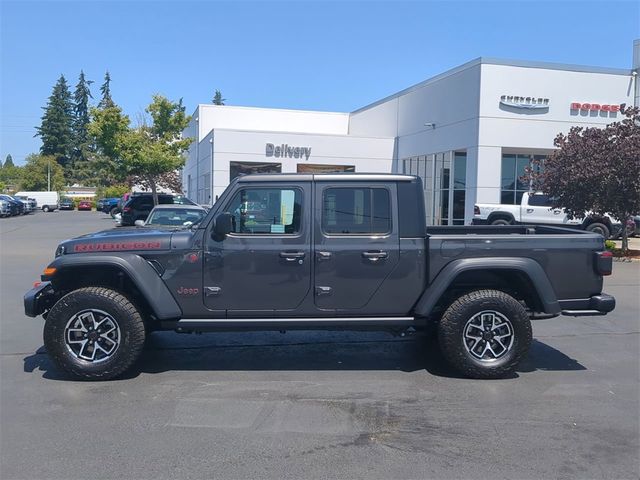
x=56, y=129
x=9, y=173
x=39, y=170
x=149, y=153
x=154, y=151
x=106, y=129
x=105, y=89
x=596, y=170
x=115, y=191
x=217, y=98
x=81, y=143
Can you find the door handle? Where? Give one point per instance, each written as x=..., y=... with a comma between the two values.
x=557, y=212
x=374, y=256
x=292, y=256
x=529, y=210
x=212, y=291
x=324, y=256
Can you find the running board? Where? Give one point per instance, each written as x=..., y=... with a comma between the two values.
x=321, y=323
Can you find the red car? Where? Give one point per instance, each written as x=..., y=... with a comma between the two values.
x=84, y=205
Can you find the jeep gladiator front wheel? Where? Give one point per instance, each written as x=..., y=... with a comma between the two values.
x=94, y=333
x=485, y=334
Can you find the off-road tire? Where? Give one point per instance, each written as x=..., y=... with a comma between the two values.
x=127, y=317
x=500, y=221
x=454, y=321
x=598, y=227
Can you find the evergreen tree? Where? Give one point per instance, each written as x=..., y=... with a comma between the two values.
x=8, y=162
x=81, y=119
x=105, y=89
x=56, y=130
x=217, y=98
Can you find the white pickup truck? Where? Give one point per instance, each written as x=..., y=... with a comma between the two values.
x=537, y=209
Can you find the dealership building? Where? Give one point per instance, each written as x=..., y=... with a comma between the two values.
x=468, y=132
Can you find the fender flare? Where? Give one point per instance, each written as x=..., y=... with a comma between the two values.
x=143, y=275
x=528, y=266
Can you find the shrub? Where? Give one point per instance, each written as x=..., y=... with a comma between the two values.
x=609, y=244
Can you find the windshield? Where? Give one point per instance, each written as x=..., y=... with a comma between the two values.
x=175, y=216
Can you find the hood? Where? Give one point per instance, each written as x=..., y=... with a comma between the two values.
x=119, y=240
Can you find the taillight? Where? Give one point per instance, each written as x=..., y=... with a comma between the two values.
x=604, y=262
x=476, y=210
x=126, y=209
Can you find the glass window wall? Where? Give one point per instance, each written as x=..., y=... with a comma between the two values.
x=512, y=183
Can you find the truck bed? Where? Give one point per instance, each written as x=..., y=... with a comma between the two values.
x=565, y=254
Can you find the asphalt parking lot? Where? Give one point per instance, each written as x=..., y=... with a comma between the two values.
x=314, y=404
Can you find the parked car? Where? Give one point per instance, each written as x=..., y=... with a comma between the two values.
x=5, y=208
x=30, y=203
x=46, y=201
x=66, y=204
x=108, y=205
x=537, y=209
x=84, y=205
x=636, y=226
x=139, y=205
x=173, y=216
x=343, y=252
x=16, y=206
x=26, y=206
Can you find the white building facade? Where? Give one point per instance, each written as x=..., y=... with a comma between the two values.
x=469, y=132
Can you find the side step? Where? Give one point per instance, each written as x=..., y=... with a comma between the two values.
x=320, y=323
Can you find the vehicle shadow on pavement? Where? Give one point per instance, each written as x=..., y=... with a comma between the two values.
x=164, y=353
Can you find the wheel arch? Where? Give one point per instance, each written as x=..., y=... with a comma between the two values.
x=520, y=277
x=588, y=220
x=501, y=216
x=129, y=274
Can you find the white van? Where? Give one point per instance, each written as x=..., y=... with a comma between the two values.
x=47, y=201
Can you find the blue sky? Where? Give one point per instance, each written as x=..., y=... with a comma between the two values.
x=331, y=55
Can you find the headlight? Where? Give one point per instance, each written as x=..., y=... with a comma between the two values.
x=60, y=250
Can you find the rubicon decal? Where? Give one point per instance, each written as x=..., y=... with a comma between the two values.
x=115, y=246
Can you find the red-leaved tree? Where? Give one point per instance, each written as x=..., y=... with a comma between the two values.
x=596, y=170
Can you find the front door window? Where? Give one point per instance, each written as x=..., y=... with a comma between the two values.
x=266, y=211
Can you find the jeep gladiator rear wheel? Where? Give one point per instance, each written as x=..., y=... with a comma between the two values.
x=94, y=333
x=485, y=334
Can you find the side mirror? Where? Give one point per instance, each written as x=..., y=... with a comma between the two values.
x=139, y=223
x=224, y=224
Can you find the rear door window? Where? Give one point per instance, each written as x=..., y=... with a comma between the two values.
x=349, y=211
x=540, y=201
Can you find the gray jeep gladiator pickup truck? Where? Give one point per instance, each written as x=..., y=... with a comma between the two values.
x=334, y=251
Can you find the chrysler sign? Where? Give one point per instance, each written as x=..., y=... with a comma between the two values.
x=286, y=150
x=525, y=103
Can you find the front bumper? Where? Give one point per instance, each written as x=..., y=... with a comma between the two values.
x=39, y=299
x=595, y=305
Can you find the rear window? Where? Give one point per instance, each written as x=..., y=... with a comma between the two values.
x=540, y=201
x=356, y=211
